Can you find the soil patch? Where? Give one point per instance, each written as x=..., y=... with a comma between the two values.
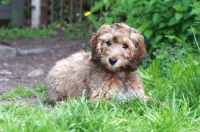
x=19, y=68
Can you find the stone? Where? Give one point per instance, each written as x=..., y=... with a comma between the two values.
x=5, y=72
x=35, y=73
x=5, y=64
x=4, y=79
x=31, y=51
x=7, y=52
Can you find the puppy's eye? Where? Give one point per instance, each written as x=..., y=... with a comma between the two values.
x=108, y=43
x=125, y=46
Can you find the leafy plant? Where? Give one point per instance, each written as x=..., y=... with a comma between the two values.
x=163, y=23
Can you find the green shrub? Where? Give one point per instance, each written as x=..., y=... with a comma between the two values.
x=163, y=23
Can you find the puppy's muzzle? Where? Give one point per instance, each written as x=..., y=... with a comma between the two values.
x=112, y=61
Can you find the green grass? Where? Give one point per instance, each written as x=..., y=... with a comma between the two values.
x=19, y=92
x=77, y=31
x=25, y=33
x=176, y=86
x=23, y=92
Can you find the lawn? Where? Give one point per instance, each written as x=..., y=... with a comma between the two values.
x=175, y=86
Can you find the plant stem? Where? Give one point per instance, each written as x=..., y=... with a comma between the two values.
x=195, y=38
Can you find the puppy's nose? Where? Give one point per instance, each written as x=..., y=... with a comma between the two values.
x=112, y=61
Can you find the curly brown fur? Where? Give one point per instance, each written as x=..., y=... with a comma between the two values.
x=110, y=70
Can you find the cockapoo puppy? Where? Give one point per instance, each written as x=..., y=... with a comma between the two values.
x=108, y=71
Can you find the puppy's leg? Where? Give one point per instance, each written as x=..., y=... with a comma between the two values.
x=54, y=96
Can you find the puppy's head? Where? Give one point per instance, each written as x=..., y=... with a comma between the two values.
x=117, y=47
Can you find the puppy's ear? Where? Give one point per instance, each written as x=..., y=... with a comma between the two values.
x=96, y=44
x=140, y=51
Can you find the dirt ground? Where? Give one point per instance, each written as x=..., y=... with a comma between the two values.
x=19, y=67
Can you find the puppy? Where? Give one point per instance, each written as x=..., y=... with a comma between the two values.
x=108, y=71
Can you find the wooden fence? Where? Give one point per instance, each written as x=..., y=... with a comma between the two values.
x=13, y=11
x=43, y=11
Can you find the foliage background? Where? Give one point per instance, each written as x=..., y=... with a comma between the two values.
x=166, y=25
